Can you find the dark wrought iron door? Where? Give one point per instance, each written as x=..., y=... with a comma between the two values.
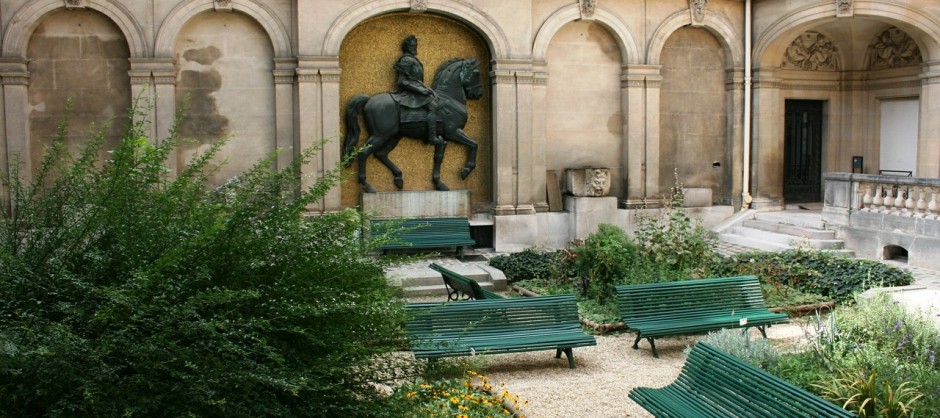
x=802, y=161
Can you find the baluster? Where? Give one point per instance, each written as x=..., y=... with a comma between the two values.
x=909, y=202
x=889, y=199
x=898, y=201
x=878, y=200
x=866, y=200
x=932, y=206
x=921, y=207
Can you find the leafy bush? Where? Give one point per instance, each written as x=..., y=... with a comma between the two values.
x=532, y=263
x=757, y=352
x=812, y=271
x=608, y=257
x=876, y=350
x=127, y=292
x=678, y=247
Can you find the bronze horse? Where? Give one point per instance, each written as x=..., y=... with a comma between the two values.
x=455, y=81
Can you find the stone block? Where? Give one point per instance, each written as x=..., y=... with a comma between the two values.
x=417, y=204
x=588, y=182
x=697, y=197
x=515, y=233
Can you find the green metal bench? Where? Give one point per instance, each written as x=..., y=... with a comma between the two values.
x=424, y=233
x=494, y=326
x=715, y=384
x=462, y=287
x=694, y=306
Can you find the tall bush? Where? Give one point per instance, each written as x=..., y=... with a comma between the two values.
x=676, y=246
x=125, y=291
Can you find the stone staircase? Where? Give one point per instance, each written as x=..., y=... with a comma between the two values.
x=418, y=280
x=780, y=231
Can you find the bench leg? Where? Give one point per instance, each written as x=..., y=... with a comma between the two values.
x=636, y=344
x=762, y=331
x=568, y=353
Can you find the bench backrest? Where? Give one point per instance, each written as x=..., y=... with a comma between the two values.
x=463, y=284
x=687, y=297
x=492, y=315
x=425, y=231
x=745, y=390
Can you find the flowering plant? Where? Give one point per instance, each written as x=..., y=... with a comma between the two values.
x=471, y=396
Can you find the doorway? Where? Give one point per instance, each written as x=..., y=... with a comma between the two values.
x=802, y=161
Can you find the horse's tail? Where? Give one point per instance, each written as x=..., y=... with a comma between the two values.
x=353, y=108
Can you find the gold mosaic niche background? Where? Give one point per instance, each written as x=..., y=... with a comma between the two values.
x=366, y=58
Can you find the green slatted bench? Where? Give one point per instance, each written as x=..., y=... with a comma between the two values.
x=424, y=233
x=714, y=384
x=694, y=306
x=462, y=287
x=494, y=326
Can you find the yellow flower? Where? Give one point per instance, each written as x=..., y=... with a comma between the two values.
x=425, y=386
x=467, y=396
x=411, y=394
x=454, y=400
x=463, y=408
x=462, y=416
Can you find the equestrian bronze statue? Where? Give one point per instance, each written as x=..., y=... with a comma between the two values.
x=435, y=115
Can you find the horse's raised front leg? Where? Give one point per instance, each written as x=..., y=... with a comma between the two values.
x=462, y=138
x=436, y=173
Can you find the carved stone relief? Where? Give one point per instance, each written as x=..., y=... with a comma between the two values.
x=223, y=5
x=812, y=51
x=893, y=48
x=844, y=8
x=588, y=7
x=74, y=4
x=588, y=182
x=698, y=8
x=418, y=6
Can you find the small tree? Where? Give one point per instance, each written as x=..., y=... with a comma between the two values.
x=127, y=292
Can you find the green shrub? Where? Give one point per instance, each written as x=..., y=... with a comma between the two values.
x=532, y=263
x=606, y=258
x=875, y=350
x=757, y=352
x=812, y=271
x=127, y=292
x=675, y=245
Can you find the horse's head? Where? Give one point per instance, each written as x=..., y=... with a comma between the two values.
x=462, y=74
x=470, y=79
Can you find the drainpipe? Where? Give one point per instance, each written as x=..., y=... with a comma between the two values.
x=746, y=180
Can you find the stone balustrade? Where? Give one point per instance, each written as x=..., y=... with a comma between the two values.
x=875, y=212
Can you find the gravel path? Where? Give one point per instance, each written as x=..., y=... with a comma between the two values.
x=604, y=376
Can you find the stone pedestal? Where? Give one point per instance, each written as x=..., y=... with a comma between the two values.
x=418, y=204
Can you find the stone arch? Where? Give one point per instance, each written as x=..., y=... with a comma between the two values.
x=719, y=26
x=25, y=21
x=629, y=48
x=768, y=48
x=355, y=14
x=182, y=14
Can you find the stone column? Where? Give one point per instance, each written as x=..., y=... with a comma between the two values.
x=732, y=167
x=284, y=70
x=527, y=189
x=928, y=146
x=318, y=113
x=309, y=124
x=504, y=139
x=539, y=167
x=142, y=96
x=651, y=163
x=15, y=81
x=331, y=153
x=634, y=119
x=164, y=82
x=767, y=142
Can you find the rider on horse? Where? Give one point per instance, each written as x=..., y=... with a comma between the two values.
x=411, y=91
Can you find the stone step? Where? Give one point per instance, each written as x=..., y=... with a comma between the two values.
x=805, y=219
x=420, y=280
x=789, y=229
x=732, y=237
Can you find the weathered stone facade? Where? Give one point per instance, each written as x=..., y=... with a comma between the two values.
x=644, y=88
